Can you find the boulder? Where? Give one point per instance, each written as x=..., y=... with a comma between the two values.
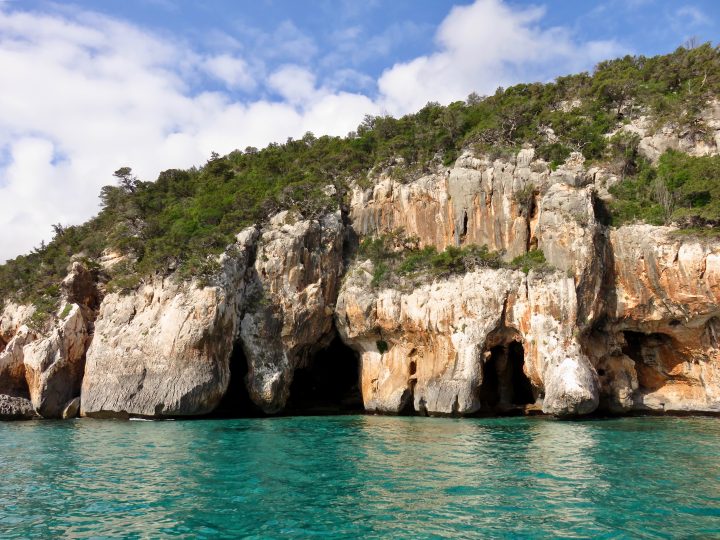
x=16, y=408
x=71, y=409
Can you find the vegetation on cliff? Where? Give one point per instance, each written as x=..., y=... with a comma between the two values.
x=174, y=223
x=681, y=189
x=397, y=256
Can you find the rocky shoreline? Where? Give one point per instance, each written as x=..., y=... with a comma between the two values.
x=621, y=321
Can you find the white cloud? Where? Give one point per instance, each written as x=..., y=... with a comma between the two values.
x=83, y=94
x=294, y=83
x=482, y=46
x=232, y=71
x=693, y=16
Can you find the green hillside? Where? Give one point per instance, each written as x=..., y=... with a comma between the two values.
x=174, y=223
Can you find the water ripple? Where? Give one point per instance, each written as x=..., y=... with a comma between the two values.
x=364, y=476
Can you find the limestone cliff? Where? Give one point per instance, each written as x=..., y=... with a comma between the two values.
x=621, y=319
x=627, y=322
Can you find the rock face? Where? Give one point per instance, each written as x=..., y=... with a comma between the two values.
x=12, y=366
x=54, y=364
x=291, y=296
x=653, y=143
x=620, y=320
x=659, y=347
x=433, y=349
x=12, y=317
x=475, y=202
x=164, y=349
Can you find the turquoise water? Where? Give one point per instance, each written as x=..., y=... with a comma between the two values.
x=361, y=476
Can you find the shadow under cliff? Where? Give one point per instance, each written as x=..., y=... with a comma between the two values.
x=329, y=383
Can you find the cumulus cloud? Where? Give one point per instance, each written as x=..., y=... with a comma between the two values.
x=83, y=95
x=232, y=71
x=294, y=83
x=482, y=46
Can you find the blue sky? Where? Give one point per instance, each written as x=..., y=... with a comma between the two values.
x=368, y=36
x=90, y=86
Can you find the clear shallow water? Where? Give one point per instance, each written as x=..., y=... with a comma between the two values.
x=361, y=476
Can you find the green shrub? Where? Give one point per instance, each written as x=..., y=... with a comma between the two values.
x=532, y=260
x=380, y=272
x=682, y=189
x=382, y=346
x=66, y=310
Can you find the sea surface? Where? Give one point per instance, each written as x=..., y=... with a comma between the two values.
x=361, y=477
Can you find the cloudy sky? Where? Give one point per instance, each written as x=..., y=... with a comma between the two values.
x=89, y=86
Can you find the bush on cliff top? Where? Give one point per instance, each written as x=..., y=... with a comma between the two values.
x=176, y=222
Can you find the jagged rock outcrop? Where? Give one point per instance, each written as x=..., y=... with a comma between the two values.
x=654, y=142
x=629, y=324
x=12, y=317
x=430, y=348
x=45, y=362
x=12, y=366
x=433, y=336
x=55, y=363
x=476, y=202
x=164, y=349
x=275, y=299
x=291, y=291
x=572, y=238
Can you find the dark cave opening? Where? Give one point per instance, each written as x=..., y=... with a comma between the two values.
x=236, y=402
x=328, y=384
x=633, y=345
x=505, y=385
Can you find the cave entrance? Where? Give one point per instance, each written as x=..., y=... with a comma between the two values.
x=655, y=356
x=329, y=383
x=236, y=402
x=505, y=385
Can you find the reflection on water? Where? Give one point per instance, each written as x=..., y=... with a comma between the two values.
x=363, y=476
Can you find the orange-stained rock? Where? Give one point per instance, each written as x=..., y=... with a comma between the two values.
x=475, y=202
x=440, y=335
x=660, y=341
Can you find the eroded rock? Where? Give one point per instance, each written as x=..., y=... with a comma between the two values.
x=438, y=339
x=291, y=292
x=71, y=409
x=54, y=364
x=12, y=366
x=164, y=349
